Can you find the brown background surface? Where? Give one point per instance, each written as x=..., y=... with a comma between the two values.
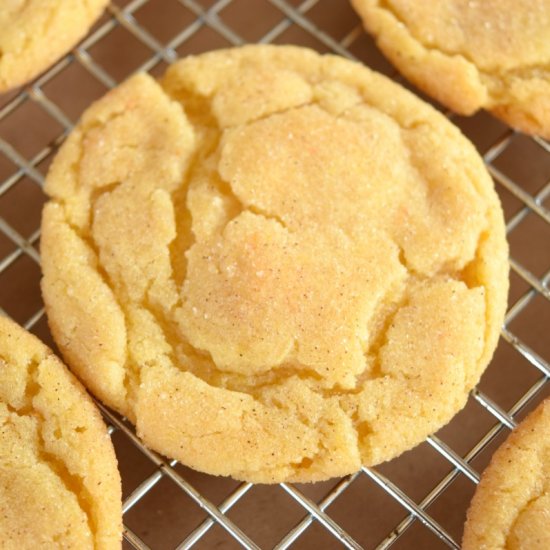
x=33, y=121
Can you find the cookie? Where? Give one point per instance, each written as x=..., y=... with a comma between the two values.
x=511, y=506
x=59, y=483
x=279, y=265
x=34, y=34
x=470, y=55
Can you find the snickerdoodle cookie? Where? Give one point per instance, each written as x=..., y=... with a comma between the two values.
x=491, y=54
x=511, y=507
x=279, y=265
x=59, y=483
x=35, y=33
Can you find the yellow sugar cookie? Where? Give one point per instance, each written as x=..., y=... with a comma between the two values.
x=279, y=265
x=34, y=34
x=59, y=483
x=471, y=54
x=511, y=507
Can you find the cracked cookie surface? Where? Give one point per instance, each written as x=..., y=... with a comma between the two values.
x=279, y=265
x=511, y=507
x=471, y=54
x=35, y=33
x=59, y=483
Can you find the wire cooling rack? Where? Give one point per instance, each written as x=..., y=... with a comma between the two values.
x=416, y=501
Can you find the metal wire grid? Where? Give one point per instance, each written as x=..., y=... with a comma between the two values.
x=294, y=14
